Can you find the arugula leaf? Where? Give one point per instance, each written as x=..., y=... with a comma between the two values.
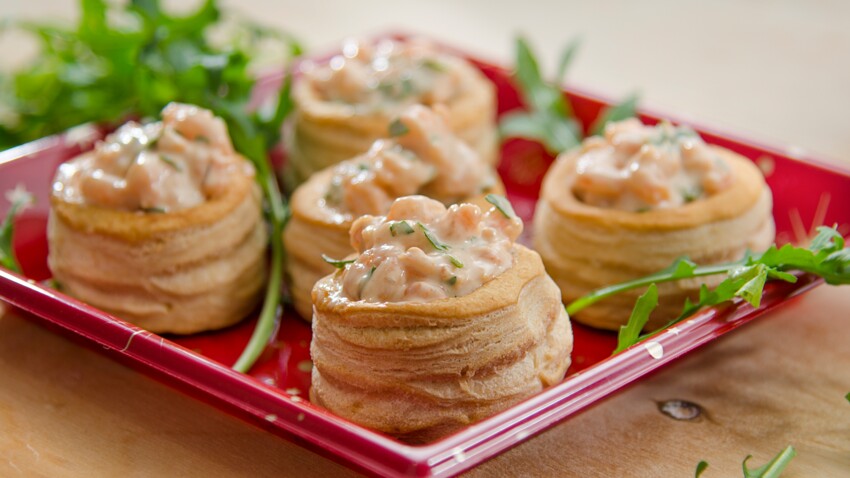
x=502, y=204
x=625, y=109
x=701, y=467
x=549, y=118
x=773, y=468
x=826, y=257
x=827, y=238
x=630, y=332
x=683, y=267
x=566, y=59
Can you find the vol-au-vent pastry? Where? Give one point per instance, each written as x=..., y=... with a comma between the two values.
x=630, y=203
x=440, y=320
x=422, y=157
x=161, y=225
x=345, y=104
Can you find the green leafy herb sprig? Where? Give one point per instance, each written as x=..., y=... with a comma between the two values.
x=772, y=469
x=550, y=119
x=132, y=60
x=105, y=71
x=20, y=199
x=826, y=257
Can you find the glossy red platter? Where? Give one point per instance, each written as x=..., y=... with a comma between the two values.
x=273, y=396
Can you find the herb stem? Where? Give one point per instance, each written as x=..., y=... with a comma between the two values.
x=663, y=276
x=268, y=315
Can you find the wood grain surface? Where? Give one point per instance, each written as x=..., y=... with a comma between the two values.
x=777, y=71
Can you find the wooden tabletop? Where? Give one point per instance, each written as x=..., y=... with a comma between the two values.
x=776, y=71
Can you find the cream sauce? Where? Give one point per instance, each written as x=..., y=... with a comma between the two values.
x=424, y=157
x=165, y=166
x=422, y=251
x=387, y=76
x=636, y=167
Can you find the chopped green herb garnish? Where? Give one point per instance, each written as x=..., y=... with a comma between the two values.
x=433, y=240
x=773, y=468
x=502, y=204
x=455, y=261
x=691, y=194
x=170, y=161
x=826, y=257
x=397, y=128
x=439, y=245
x=434, y=65
x=643, y=209
x=400, y=227
x=365, y=280
x=154, y=210
x=334, y=193
x=202, y=139
x=363, y=167
x=338, y=263
x=701, y=467
x=407, y=87
x=452, y=280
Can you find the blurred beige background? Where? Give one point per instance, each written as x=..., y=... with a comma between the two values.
x=777, y=71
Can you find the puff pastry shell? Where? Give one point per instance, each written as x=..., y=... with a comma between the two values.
x=180, y=272
x=586, y=247
x=419, y=371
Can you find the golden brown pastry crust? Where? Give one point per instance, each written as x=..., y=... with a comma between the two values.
x=419, y=371
x=183, y=272
x=312, y=231
x=586, y=247
x=326, y=133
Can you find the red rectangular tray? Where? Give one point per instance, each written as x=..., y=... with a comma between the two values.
x=806, y=194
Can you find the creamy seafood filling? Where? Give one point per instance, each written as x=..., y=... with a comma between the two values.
x=422, y=157
x=164, y=166
x=637, y=168
x=422, y=251
x=386, y=76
